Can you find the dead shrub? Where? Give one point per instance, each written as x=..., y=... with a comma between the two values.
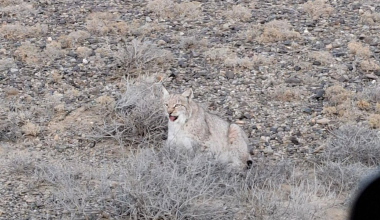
x=247, y=62
x=363, y=105
x=142, y=55
x=324, y=57
x=192, y=43
x=106, y=102
x=359, y=50
x=374, y=121
x=83, y=52
x=28, y=53
x=30, y=129
x=370, y=18
x=369, y=65
x=18, y=31
x=138, y=115
x=169, y=9
x=74, y=38
x=277, y=30
x=239, y=13
x=53, y=51
x=317, y=8
x=352, y=144
x=102, y=22
x=217, y=54
x=284, y=94
x=340, y=177
x=329, y=110
x=252, y=32
x=370, y=93
x=337, y=95
x=19, y=9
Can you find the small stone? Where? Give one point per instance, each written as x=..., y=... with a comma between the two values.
x=268, y=150
x=148, y=19
x=306, y=110
x=329, y=46
x=297, y=68
x=316, y=63
x=377, y=72
x=85, y=61
x=293, y=80
x=273, y=129
x=371, y=76
x=319, y=94
x=294, y=140
x=161, y=42
x=14, y=70
x=49, y=39
x=230, y=75
x=350, y=67
x=323, y=121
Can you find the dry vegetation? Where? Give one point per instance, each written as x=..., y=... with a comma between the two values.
x=169, y=9
x=277, y=30
x=239, y=13
x=359, y=50
x=317, y=8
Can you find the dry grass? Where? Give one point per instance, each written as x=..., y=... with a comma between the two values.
x=17, y=8
x=83, y=52
x=30, y=129
x=377, y=108
x=317, y=8
x=140, y=55
x=218, y=54
x=369, y=65
x=277, y=30
x=74, y=38
x=363, y=105
x=149, y=184
x=102, y=23
x=371, y=18
x=169, y=9
x=137, y=116
x=18, y=31
x=337, y=95
x=53, y=51
x=252, y=32
x=374, y=121
x=29, y=54
x=192, y=43
x=247, y=62
x=352, y=144
x=359, y=50
x=324, y=57
x=285, y=94
x=238, y=13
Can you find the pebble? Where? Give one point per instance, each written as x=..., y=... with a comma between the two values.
x=323, y=121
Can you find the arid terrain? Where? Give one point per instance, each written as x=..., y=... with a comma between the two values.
x=82, y=128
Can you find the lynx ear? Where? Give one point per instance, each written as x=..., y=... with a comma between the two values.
x=165, y=93
x=188, y=94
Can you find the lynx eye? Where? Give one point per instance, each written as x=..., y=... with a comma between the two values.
x=177, y=105
x=166, y=105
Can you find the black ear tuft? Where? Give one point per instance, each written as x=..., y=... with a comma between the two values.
x=249, y=164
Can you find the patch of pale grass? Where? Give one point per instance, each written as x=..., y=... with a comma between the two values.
x=359, y=50
x=239, y=13
x=277, y=30
x=18, y=31
x=317, y=8
x=369, y=65
x=324, y=57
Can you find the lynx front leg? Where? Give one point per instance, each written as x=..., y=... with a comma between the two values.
x=238, y=143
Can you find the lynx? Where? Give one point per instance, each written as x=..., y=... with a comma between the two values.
x=192, y=128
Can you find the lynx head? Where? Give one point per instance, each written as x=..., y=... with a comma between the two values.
x=177, y=106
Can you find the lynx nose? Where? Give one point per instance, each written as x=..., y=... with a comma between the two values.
x=170, y=111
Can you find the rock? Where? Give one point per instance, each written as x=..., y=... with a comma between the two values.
x=317, y=63
x=230, y=75
x=268, y=150
x=319, y=94
x=293, y=80
x=323, y=121
x=350, y=67
x=85, y=61
x=14, y=70
x=306, y=110
x=297, y=68
x=148, y=19
x=377, y=72
x=371, y=76
x=294, y=140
